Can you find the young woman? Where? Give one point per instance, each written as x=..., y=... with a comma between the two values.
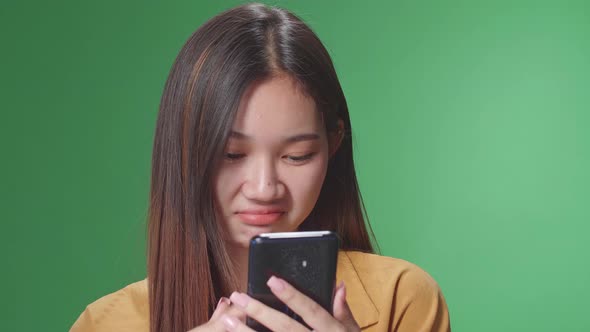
x=253, y=136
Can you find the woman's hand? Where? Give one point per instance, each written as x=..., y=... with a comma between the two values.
x=226, y=309
x=312, y=313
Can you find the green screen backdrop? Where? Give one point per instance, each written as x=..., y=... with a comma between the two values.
x=471, y=124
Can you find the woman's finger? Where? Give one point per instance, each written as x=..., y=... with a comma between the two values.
x=310, y=311
x=233, y=324
x=225, y=308
x=265, y=315
x=342, y=311
x=222, y=305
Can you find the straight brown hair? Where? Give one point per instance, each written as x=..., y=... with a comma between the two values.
x=189, y=268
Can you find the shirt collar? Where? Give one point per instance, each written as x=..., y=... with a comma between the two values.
x=363, y=309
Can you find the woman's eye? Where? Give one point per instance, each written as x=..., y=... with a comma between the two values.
x=300, y=159
x=234, y=156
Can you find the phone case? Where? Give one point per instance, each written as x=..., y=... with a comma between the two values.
x=306, y=260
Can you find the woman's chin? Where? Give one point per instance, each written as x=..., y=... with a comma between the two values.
x=250, y=232
x=245, y=233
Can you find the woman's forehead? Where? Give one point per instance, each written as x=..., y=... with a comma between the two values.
x=277, y=106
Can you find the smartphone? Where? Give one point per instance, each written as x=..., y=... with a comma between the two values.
x=306, y=260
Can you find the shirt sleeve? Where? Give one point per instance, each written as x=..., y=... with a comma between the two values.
x=419, y=304
x=83, y=323
x=123, y=311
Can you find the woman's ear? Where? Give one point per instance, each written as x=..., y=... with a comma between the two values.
x=335, y=137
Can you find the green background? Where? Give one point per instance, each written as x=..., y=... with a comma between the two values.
x=470, y=119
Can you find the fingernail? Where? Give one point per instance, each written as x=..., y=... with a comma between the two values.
x=223, y=300
x=240, y=299
x=229, y=322
x=276, y=284
x=343, y=290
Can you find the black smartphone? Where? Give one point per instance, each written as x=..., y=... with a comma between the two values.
x=306, y=260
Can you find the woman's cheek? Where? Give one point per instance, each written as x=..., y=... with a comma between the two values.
x=309, y=182
x=226, y=183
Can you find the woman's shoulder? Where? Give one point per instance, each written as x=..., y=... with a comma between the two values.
x=386, y=290
x=383, y=268
x=124, y=310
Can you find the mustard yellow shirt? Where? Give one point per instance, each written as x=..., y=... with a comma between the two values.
x=384, y=294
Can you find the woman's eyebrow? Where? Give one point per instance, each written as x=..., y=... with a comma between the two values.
x=238, y=135
x=302, y=137
x=291, y=139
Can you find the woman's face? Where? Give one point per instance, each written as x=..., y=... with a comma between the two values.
x=274, y=163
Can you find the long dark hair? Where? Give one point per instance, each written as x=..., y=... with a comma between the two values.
x=188, y=265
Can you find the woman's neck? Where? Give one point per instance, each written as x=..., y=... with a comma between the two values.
x=239, y=256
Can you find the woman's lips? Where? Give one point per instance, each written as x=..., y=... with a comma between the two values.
x=259, y=218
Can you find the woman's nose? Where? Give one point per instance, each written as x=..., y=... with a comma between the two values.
x=262, y=182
